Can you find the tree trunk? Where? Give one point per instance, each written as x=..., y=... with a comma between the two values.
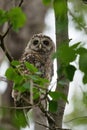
x=61, y=23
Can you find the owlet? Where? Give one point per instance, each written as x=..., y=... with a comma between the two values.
x=38, y=52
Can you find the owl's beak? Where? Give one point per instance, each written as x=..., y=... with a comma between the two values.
x=40, y=46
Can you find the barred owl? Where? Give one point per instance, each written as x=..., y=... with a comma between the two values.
x=38, y=52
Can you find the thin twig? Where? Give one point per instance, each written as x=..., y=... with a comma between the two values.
x=3, y=79
x=31, y=91
x=21, y=2
x=2, y=45
x=43, y=125
x=10, y=58
x=46, y=114
x=76, y=118
x=76, y=20
x=5, y=34
x=18, y=108
x=26, y=100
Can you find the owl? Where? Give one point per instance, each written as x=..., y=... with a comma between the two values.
x=38, y=52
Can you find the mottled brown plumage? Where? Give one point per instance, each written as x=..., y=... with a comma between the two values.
x=38, y=52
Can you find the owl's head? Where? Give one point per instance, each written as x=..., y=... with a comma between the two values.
x=41, y=43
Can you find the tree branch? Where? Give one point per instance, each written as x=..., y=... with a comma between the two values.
x=3, y=79
x=7, y=31
x=21, y=2
x=43, y=125
x=56, y=128
x=10, y=58
x=16, y=108
x=76, y=118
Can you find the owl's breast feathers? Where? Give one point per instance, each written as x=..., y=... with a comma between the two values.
x=43, y=64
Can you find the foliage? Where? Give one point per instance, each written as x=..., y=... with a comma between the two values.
x=53, y=106
x=19, y=119
x=21, y=80
x=3, y=17
x=22, y=83
x=67, y=54
x=14, y=16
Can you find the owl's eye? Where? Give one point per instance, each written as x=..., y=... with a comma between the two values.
x=35, y=42
x=46, y=43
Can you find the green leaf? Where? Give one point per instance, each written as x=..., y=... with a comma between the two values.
x=83, y=66
x=31, y=67
x=81, y=50
x=46, y=2
x=57, y=95
x=85, y=79
x=65, y=54
x=22, y=88
x=26, y=85
x=54, y=95
x=69, y=71
x=18, y=87
x=15, y=63
x=42, y=81
x=76, y=45
x=20, y=119
x=53, y=106
x=3, y=17
x=36, y=93
x=18, y=79
x=17, y=18
x=11, y=73
x=83, y=63
x=33, y=77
